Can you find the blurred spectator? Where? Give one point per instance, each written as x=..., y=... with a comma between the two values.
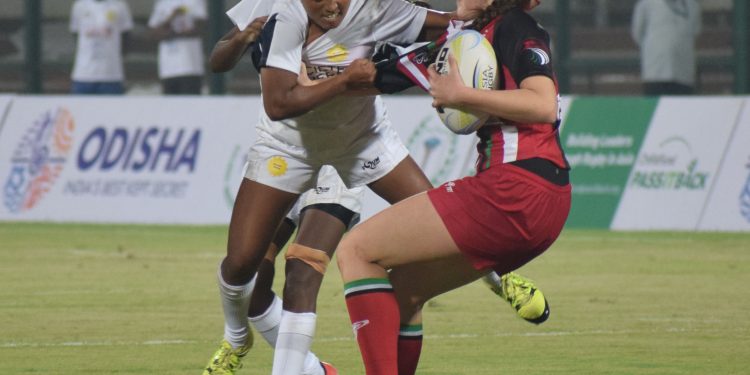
x=665, y=31
x=102, y=31
x=179, y=26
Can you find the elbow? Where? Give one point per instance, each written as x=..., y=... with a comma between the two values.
x=217, y=67
x=217, y=64
x=276, y=112
x=547, y=114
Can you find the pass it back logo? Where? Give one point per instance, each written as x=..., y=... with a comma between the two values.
x=38, y=160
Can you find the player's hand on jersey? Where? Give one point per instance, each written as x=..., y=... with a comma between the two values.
x=446, y=88
x=252, y=31
x=360, y=74
x=303, y=79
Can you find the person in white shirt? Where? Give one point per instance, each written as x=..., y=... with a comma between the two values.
x=102, y=28
x=179, y=26
x=665, y=31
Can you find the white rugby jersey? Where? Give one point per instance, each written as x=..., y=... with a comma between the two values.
x=182, y=56
x=99, y=25
x=343, y=118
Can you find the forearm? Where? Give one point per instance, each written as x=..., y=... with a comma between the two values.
x=435, y=25
x=301, y=98
x=227, y=52
x=520, y=105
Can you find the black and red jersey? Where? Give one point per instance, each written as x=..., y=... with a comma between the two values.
x=522, y=50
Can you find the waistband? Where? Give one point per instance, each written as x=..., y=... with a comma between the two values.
x=544, y=169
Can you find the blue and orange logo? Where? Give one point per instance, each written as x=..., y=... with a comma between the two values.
x=38, y=160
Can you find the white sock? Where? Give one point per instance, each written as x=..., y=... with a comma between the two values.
x=267, y=324
x=235, y=300
x=296, y=333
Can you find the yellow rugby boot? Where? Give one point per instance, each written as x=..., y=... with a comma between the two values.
x=227, y=360
x=522, y=294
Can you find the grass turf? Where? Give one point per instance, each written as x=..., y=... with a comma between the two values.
x=101, y=299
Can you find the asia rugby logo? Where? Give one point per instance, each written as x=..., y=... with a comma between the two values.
x=38, y=160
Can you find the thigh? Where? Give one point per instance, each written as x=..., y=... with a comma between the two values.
x=416, y=283
x=408, y=232
x=403, y=181
x=320, y=230
x=257, y=213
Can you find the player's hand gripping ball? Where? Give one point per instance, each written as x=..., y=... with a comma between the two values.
x=477, y=66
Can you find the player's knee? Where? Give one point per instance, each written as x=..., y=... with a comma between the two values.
x=346, y=254
x=237, y=271
x=354, y=260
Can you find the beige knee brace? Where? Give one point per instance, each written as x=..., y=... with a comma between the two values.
x=317, y=259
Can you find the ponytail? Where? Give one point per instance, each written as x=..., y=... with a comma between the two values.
x=497, y=8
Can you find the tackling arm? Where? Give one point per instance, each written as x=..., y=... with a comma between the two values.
x=285, y=97
x=228, y=51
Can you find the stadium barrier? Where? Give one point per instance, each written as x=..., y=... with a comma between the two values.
x=638, y=163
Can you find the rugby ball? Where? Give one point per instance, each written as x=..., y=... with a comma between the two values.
x=477, y=66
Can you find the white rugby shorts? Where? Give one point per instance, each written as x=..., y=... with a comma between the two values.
x=330, y=189
x=294, y=169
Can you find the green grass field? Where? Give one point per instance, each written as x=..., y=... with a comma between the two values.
x=87, y=299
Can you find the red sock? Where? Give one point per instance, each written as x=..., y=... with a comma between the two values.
x=409, y=349
x=375, y=320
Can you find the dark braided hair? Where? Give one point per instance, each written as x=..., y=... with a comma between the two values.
x=497, y=8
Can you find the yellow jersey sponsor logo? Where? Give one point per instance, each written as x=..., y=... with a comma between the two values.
x=337, y=53
x=277, y=166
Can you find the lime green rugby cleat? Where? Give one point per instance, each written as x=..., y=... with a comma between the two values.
x=522, y=294
x=227, y=359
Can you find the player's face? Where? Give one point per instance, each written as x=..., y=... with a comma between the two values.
x=326, y=14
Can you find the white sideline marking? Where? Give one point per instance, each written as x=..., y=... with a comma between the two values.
x=93, y=343
x=9, y=345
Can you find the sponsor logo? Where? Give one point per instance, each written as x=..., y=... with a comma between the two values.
x=484, y=79
x=277, y=166
x=322, y=189
x=449, y=186
x=321, y=72
x=337, y=53
x=745, y=197
x=356, y=326
x=117, y=161
x=38, y=160
x=421, y=58
x=539, y=56
x=150, y=149
x=672, y=167
x=372, y=164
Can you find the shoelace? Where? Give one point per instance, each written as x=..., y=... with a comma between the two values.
x=516, y=291
x=228, y=359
